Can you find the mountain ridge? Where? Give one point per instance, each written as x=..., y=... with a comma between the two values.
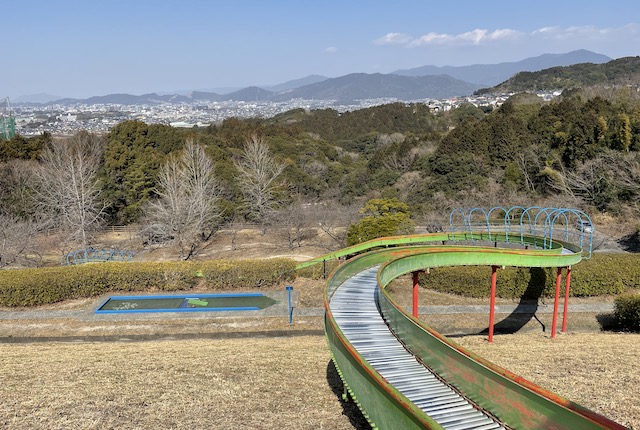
x=493, y=74
x=400, y=85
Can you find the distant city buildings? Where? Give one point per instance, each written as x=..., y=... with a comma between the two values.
x=100, y=118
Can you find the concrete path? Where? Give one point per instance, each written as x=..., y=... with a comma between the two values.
x=281, y=309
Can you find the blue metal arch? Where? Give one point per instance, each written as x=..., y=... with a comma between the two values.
x=507, y=220
x=579, y=215
x=550, y=223
x=531, y=226
x=503, y=220
x=486, y=219
x=546, y=212
x=464, y=221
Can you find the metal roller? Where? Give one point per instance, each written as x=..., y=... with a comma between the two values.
x=355, y=310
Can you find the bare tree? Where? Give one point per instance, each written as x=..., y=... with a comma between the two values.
x=18, y=246
x=67, y=187
x=258, y=174
x=295, y=223
x=398, y=162
x=186, y=211
x=599, y=180
x=527, y=162
x=334, y=219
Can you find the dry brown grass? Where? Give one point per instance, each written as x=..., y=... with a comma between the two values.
x=270, y=383
x=259, y=383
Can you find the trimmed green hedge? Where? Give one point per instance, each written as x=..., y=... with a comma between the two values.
x=32, y=287
x=604, y=274
x=626, y=313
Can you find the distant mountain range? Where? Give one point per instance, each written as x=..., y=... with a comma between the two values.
x=493, y=74
x=426, y=82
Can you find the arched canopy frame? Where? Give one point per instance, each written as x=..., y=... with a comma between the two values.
x=541, y=222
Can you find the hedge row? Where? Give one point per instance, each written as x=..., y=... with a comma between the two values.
x=604, y=274
x=32, y=287
x=626, y=313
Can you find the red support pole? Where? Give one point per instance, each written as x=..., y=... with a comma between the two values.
x=492, y=304
x=415, y=294
x=554, y=321
x=566, y=300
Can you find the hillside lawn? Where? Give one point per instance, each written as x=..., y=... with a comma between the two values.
x=270, y=382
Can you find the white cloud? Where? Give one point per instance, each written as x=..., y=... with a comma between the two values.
x=331, y=50
x=480, y=37
x=588, y=32
x=394, y=39
x=474, y=37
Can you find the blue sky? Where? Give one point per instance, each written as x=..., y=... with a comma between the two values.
x=84, y=47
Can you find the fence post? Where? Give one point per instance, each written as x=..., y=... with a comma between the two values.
x=289, y=288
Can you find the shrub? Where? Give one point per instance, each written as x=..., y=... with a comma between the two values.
x=237, y=274
x=383, y=217
x=32, y=287
x=626, y=313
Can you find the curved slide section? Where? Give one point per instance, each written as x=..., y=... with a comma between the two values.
x=403, y=374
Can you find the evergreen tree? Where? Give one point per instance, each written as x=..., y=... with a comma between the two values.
x=382, y=217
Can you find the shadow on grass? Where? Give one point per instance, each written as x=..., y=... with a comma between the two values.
x=607, y=322
x=349, y=407
x=630, y=243
x=527, y=307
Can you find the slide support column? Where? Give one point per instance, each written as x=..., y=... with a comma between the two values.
x=492, y=304
x=554, y=321
x=566, y=300
x=415, y=294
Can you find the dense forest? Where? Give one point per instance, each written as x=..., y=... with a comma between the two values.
x=581, y=150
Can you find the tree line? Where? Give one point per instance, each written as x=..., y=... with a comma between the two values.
x=181, y=185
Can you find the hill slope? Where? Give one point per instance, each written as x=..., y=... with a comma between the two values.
x=622, y=71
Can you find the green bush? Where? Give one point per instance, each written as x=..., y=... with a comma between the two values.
x=626, y=313
x=32, y=287
x=383, y=217
x=236, y=274
x=604, y=274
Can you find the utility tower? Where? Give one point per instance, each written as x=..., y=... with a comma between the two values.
x=7, y=121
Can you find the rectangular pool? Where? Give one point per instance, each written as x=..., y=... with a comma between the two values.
x=185, y=303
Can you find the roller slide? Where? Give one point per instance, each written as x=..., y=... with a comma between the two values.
x=403, y=374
